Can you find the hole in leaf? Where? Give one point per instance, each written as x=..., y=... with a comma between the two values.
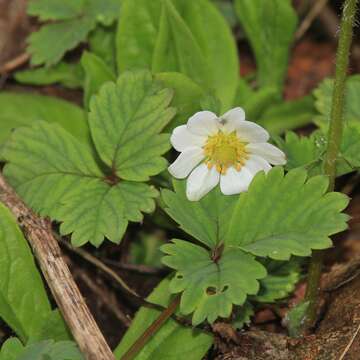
x=179, y=276
x=211, y=290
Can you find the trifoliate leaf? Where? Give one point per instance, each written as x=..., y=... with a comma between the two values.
x=206, y=220
x=125, y=121
x=75, y=21
x=171, y=341
x=280, y=281
x=323, y=98
x=68, y=75
x=283, y=215
x=242, y=315
x=63, y=178
x=211, y=286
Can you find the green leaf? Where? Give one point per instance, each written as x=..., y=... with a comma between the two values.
x=165, y=38
x=137, y=31
x=125, y=119
x=283, y=215
x=49, y=44
x=211, y=103
x=206, y=220
x=242, y=315
x=96, y=74
x=187, y=96
x=303, y=151
x=308, y=152
x=66, y=184
x=66, y=74
x=23, y=300
x=63, y=178
x=323, y=98
x=102, y=44
x=176, y=48
x=280, y=281
x=269, y=26
x=288, y=115
x=20, y=109
x=210, y=287
x=172, y=341
x=44, y=350
x=11, y=349
x=55, y=9
x=295, y=318
x=257, y=103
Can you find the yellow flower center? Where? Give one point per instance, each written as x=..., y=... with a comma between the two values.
x=224, y=150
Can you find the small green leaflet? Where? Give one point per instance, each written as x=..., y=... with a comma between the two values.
x=62, y=178
x=172, y=341
x=74, y=20
x=206, y=220
x=280, y=281
x=210, y=287
x=48, y=349
x=283, y=215
x=280, y=215
x=269, y=26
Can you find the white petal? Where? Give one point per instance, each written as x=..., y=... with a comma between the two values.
x=185, y=162
x=201, y=181
x=182, y=138
x=232, y=118
x=256, y=163
x=235, y=182
x=251, y=132
x=269, y=152
x=203, y=123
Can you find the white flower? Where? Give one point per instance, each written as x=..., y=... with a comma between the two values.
x=229, y=150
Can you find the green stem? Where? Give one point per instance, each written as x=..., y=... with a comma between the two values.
x=334, y=142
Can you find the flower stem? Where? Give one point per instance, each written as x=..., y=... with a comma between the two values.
x=333, y=146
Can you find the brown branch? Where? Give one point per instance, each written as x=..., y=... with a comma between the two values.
x=13, y=64
x=58, y=277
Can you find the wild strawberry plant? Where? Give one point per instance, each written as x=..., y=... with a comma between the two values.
x=243, y=204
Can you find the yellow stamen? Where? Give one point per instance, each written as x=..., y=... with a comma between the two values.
x=224, y=150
